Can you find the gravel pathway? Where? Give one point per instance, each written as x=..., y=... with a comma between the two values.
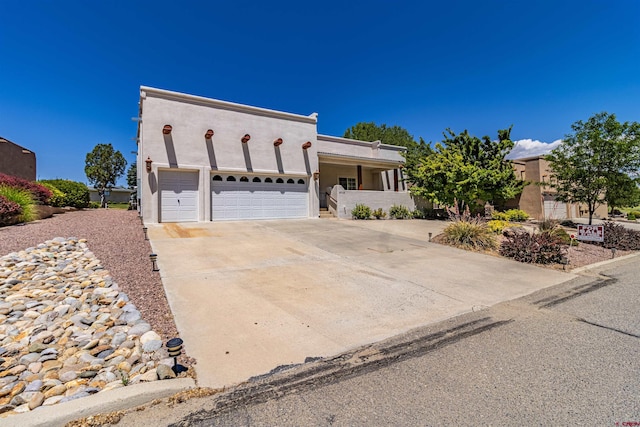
x=116, y=238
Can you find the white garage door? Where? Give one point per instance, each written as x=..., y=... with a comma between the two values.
x=178, y=196
x=555, y=210
x=258, y=197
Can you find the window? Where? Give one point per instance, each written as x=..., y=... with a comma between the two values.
x=301, y=181
x=347, y=183
x=231, y=178
x=217, y=178
x=256, y=179
x=268, y=179
x=279, y=181
x=244, y=179
x=290, y=181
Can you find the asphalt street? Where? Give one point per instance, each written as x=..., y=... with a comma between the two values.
x=567, y=355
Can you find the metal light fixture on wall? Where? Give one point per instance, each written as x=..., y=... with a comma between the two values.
x=277, y=142
x=148, y=162
x=306, y=145
x=166, y=129
x=246, y=138
x=209, y=134
x=316, y=175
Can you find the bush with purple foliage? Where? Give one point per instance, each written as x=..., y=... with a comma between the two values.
x=9, y=211
x=616, y=236
x=536, y=248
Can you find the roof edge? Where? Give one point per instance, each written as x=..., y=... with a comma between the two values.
x=183, y=97
x=361, y=143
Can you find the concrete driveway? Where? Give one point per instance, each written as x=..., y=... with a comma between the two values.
x=250, y=296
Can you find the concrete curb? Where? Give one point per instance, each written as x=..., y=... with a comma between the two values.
x=602, y=263
x=109, y=401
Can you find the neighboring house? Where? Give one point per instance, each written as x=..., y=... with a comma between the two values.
x=538, y=199
x=16, y=160
x=201, y=159
x=116, y=195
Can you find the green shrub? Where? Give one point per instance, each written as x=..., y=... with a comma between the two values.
x=76, y=194
x=22, y=197
x=57, y=196
x=94, y=205
x=497, y=225
x=517, y=215
x=499, y=216
x=616, y=236
x=399, y=212
x=9, y=211
x=361, y=212
x=379, y=213
x=631, y=216
x=474, y=235
x=564, y=237
x=537, y=248
x=552, y=228
x=514, y=215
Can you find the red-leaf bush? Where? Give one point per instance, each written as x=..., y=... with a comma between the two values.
x=536, y=248
x=616, y=236
x=9, y=211
x=41, y=194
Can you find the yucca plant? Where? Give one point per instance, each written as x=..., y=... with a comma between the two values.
x=23, y=198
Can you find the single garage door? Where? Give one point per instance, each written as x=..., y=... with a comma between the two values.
x=178, y=196
x=554, y=209
x=258, y=197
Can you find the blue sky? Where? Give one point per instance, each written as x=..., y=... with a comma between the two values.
x=71, y=70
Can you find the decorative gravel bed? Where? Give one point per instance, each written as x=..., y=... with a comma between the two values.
x=67, y=331
x=117, y=240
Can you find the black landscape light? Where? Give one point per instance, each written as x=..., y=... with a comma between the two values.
x=144, y=229
x=154, y=264
x=174, y=347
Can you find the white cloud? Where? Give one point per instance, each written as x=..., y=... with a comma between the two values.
x=529, y=148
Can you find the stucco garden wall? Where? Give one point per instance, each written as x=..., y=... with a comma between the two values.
x=345, y=200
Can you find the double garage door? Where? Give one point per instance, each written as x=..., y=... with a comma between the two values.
x=258, y=197
x=233, y=197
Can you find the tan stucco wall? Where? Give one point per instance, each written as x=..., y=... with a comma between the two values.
x=17, y=161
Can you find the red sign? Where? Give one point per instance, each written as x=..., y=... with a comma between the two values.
x=591, y=233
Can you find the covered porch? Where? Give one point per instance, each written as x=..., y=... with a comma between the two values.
x=345, y=181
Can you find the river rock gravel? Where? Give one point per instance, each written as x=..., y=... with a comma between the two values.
x=78, y=314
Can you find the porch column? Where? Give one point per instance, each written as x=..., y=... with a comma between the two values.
x=359, y=177
x=395, y=180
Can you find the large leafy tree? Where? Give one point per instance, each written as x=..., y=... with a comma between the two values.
x=463, y=169
x=132, y=175
x=624, y=192
x=103, y=167
x=589, y=162
x=392, y=135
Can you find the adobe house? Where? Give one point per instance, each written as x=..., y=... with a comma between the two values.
x=16, y=160
x=538, y=199
x=201, y=159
